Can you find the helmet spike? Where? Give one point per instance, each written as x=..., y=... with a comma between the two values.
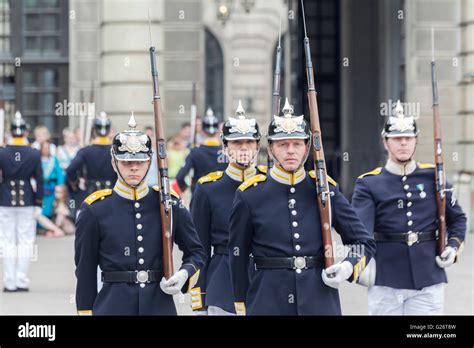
x=240, y=110
x=131, y=122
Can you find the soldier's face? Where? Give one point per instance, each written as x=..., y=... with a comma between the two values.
x=290, y=153
x=242, y=151
x=400, y=149
x=133, y=172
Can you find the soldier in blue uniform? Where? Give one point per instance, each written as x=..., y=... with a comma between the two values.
x=210, y=209
x=203, y=159
x=93, y=163
x=397, y=203
x=275, y=218
x=20, y=205
x=120, y=230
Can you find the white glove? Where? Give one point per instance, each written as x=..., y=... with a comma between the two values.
x=447, y=257
x=37, y=212
x=339, y=273
x=173, y=285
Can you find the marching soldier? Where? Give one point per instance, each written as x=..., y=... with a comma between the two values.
x=203, y=159
x=20, y=205
x=120, y=230
x=275, y=218
x=397, y=203
x=210, y=208
x=93, y=162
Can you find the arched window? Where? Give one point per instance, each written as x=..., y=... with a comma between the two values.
x=214, y=76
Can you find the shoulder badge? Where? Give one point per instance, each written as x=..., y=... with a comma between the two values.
x=312, y=174
x=426, y=165
x=101, y=194
x=376, y=171
x=253, y=181
x=262, y=168
x=173, y=192
x=211, y=177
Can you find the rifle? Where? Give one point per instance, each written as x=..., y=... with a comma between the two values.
x=322, y=187
x=82, y=120
x=90, y=117
x=2, y=123
x=165, y=195
x=193, y=118
x=276, y=88
x=439, y=162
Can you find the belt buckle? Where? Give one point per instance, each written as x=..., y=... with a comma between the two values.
x=142, y=277
x=412, y=238
x=299, y=262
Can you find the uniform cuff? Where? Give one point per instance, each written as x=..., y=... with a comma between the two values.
x=454, y=242
x=358, y=264
x=198, y=299
x=458, y=244
x=193, y=273
x=240, y=308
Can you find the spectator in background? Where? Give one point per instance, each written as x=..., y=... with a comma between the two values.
x=77, y=133
x=152, y=176
x=62, y=217
x=42, y=135
x=66, y=152
x=185, y=134
x=52, y=176
x=177, y=153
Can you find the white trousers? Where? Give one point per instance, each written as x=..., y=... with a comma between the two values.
x=213, y=310
x=17, y=237
x=384, y=300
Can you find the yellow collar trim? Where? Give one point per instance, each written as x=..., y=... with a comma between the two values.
x=101, y=141
x=238, y=174
x=134, y=194
x=283, y=177
x=211, y=142
x=19, y=141
x=398, y=169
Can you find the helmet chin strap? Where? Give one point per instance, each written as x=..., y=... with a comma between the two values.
x=121, y=177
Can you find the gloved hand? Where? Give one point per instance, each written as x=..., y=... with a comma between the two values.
x=173, y=285
x=447, y=257
x=341, y=272
x=37, y=212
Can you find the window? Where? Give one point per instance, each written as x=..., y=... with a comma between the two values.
x=35, y=33
x=41, y=90
x=4, y=28
x=42, y=27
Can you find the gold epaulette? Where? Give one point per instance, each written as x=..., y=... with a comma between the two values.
x=253, y=181
x=312, y=174
x=211, y=177
x=173, y=192
x=426, y=165
x=101, y=194
x=376, y=171
x=262, y=168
